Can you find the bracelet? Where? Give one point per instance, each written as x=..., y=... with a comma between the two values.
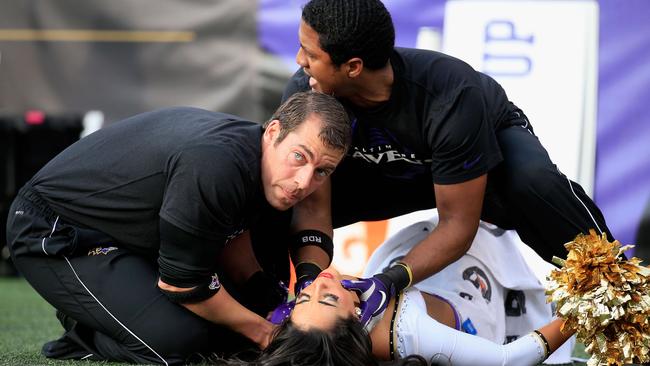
x=408, y=270
x=547, y=348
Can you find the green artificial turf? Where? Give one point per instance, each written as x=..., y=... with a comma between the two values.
x=27, y=321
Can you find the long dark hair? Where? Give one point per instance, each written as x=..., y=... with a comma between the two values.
x=346, y=344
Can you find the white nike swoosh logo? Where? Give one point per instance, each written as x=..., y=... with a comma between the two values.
x=383, y=300
x=366, y=294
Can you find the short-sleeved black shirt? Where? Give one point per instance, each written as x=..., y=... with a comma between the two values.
x=437, y=127
x=195, y=169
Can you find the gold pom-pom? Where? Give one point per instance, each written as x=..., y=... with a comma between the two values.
x=604, y=298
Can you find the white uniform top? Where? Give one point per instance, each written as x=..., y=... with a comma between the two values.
x=493, y=291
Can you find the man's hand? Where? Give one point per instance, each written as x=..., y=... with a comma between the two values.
x=266, y=335
x=375, y=292
x=261, y=332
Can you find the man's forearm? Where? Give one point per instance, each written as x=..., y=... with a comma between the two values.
x=459, y=209
x=224, y=310
x=313, y=213
x=446, y=243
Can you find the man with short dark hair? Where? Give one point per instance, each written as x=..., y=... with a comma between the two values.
x=122, y=232
x=428, y=131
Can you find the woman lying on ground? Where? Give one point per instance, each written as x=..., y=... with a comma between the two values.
x=460, y=316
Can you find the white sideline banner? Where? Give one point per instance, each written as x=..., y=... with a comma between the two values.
x=545, y=55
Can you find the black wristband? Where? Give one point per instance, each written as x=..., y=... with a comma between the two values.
x=313, y=237
x=396, y=276
x=199, y=293
x=305, y=271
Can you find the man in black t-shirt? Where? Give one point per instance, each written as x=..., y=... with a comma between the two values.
x=428, y=131
x=127, y=232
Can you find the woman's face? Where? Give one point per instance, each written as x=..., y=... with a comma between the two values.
x=323, y=302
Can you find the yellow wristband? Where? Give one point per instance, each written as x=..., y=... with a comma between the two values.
x=408, y=270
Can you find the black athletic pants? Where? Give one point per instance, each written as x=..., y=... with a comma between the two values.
x=106, y=297
x=525, y=192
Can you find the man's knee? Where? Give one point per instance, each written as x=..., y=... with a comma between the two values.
x=530, y=178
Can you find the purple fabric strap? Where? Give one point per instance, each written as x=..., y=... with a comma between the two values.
x=456, y=315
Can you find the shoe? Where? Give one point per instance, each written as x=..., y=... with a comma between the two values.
x=70, y=346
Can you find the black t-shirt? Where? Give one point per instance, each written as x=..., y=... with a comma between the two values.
x=439, y=126
x=195, y=169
